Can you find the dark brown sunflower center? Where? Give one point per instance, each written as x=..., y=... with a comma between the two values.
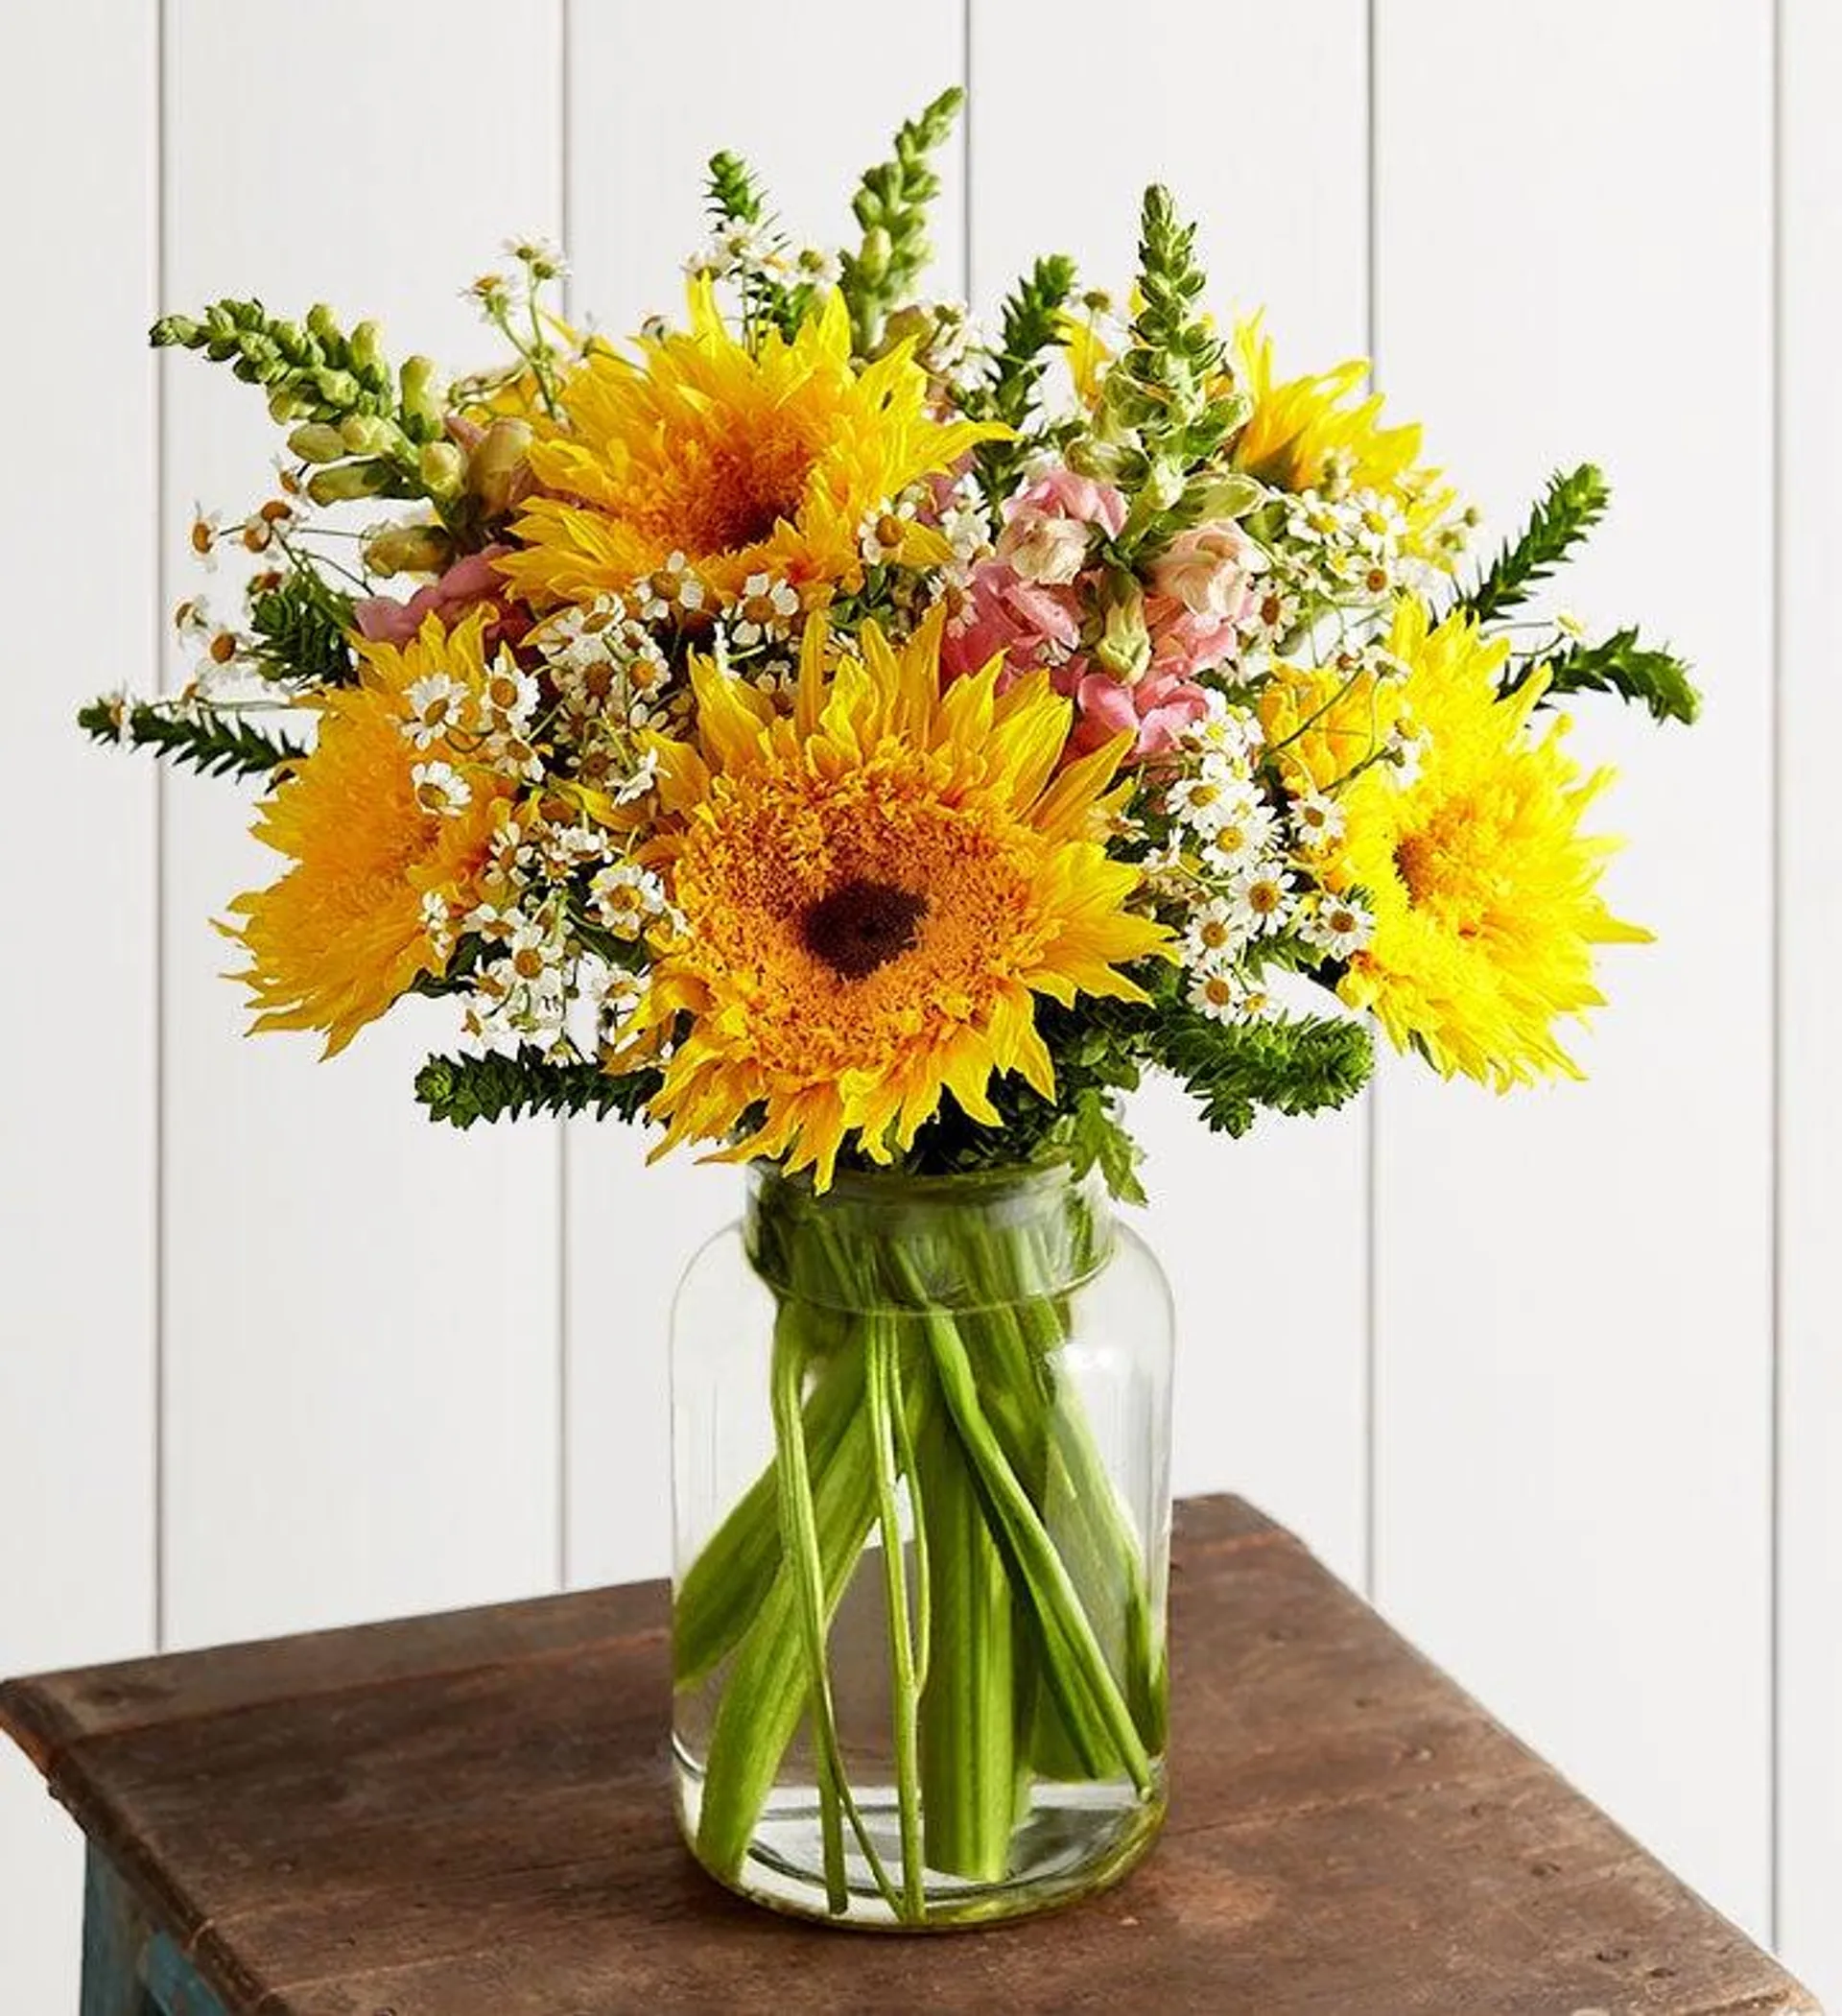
x=863, y=926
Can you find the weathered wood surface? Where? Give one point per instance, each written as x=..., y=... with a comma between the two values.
x=468, y=1815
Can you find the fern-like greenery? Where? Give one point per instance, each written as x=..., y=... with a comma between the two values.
x=219, y=744
x=461, y=1090
x=1620, y=664
x=891, y=205
x=1307, y=1064
x=1030, y=331
x=734, y=196
x=1573, y=501
x=301, y=630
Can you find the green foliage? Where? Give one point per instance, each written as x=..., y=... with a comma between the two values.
x=891, y=205
x=734, y=196
x=300, y=628
x=462, y=1090
x=218, y=744
x=1163, y=411
x=1574, y=501
x=1031, y=329
x=732, y=193
x=1622, y=665
x=353, y=410
x=1307, y=1064
x=1098, y=1138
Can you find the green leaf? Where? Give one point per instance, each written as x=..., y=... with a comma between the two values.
x=301, y=628
x=1619, y=664
x=219, y=745
x=1031, y=329
x=462, y=1090
x=1305, y=1064
x=1096, y=1139
x=1568, y=510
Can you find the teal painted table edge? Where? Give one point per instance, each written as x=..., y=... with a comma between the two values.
x=130, y=1968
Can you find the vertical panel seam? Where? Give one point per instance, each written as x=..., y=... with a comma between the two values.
x=965, y=152
x=1371, y=1159
x=565, y=1341
x=1775, y=1709
x=159, y=520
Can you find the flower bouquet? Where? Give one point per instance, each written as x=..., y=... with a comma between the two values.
x=862, y=745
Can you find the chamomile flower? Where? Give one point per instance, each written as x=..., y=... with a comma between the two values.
x=438, y=704
x=440, y=788
x=510, y=692
x=1211, y=797
x=880, y=536
x=1225, y=996
x=1316, y=822
x=1261, y=899
x=625, y=899
x=1246, y=831
x=764, y=611
x=205, y=531
x=1215, y=932
x=1336, y=926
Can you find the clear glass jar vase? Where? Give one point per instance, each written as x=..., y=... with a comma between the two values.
x=921, y=1464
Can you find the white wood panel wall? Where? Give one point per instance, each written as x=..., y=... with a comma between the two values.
x=1559, y=1377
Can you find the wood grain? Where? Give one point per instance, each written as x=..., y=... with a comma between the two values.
x=468, y=1815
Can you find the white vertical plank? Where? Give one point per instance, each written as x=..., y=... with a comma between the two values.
x=360, y=1309
x=1073, y=114
x=809, y=98
x=1809, y=1759
x=1573, y=1292
x=79, y=149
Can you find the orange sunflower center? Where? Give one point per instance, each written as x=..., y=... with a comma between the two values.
x=857, y=911
x=723, y=494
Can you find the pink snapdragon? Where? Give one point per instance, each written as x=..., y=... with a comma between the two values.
x=471, y=580
x=1202, y=592
x=1048, y=527
x=1154, y=709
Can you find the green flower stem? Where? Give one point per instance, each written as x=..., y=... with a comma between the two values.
x=800, y=1540
x=1074, y=1666
x=726, y=1585
x=968, y=1708
x=767, y=1685
x=883, y=1389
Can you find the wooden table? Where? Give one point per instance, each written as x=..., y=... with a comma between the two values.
x=468, y=1815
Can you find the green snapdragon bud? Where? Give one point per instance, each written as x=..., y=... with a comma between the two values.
x=365, y=434
x=1124, y=648
x=367, y=355
x=409, y=549
x=442, y=468
x=322, y=324
x=348, y=481
x=497, y=462
x=421, y=400
x=316, y=442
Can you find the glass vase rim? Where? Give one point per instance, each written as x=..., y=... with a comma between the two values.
x=1041, y=1176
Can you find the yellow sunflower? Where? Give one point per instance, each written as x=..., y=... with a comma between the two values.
x=343, y=933
x=746, y=463
x=1323, y=723
x=874, y=889
x=1316, y=433
x=1485, y=891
